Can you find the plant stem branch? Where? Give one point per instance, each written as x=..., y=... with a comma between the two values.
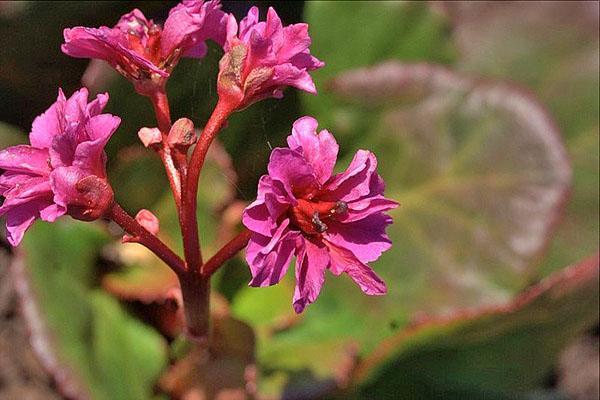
x=226, y=252
x=173, y=167
x=191, y=242
x=145, y=238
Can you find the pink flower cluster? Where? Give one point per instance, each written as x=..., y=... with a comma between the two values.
x=328, y=221
x=63, y=170
x=142, y=50
x=261, y=58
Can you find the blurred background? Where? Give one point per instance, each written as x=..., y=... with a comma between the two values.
x=484, y=119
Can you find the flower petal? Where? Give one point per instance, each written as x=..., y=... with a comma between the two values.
x=343, y=260
x=320, y=150
x=269, y=257
x=48, y=124
x=25, y=159
x=20, y=219
x=355, y=182
x=366, y=238
x=313, y=260
x=293, y=172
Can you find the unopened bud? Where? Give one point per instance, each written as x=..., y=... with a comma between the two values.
x=182, y=134
x=146, y=219
x=95, y=197
x=150, y=136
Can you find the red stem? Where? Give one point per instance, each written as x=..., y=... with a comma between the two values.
x=228, y=251
x=145, y=238
x=160, y=103
x=191, y=242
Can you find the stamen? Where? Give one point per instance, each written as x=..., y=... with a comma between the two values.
x=320, y=227
x=341, y=207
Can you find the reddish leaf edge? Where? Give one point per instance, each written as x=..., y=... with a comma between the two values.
x=571, y=276
x=40, y=337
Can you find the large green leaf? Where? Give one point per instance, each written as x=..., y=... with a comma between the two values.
x=481, y=175
x=553, y=48
x=489, y=353
x=92, y=347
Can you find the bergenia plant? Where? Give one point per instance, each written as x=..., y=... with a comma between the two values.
x=304, y=210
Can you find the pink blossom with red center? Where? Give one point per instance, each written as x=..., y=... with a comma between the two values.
x=328, y=221
x=142, y=50
x=63, y=170
x=262, y=58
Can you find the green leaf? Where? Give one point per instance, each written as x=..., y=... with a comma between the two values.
x=85, y=339
x=553, y=48
x=486, y=353
x=356, y=34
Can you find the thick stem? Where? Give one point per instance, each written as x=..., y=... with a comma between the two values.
x=145, y=238
x=191, y=242
x=195, y=291
x=228, y=251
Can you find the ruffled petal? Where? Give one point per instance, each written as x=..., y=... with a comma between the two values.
x=343, y=260
x=313, y=260
x=19, y=220
x=365, y=238
x=355, y=182
x=25, y=159
x=48, y=124
x=269, y=257
x=320, y=150
x=293, y=172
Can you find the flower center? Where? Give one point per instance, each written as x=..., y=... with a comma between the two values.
x=145, y=40
x=311, y=216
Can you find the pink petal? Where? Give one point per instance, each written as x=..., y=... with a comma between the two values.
x=89, y=155
x=343, y=260
x=365, y=238
x=48, y=124
x=19, y=220
x=319, y=150
x=97, y=105
x=293, y=172
x=63, y=181
x=189, y=24
x=269, y=257
x=313, y=260
x=367, y=206
x=51, y=212
x=26, y=190
x=25, y=159
x=355, y=182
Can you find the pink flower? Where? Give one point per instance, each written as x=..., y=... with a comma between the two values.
x=63, y=170
x=141, y=50
x=261, y=58
x=327, y=221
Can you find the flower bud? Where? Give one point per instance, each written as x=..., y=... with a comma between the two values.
x=95, y=197
x=182, y=135
x=149, y=136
